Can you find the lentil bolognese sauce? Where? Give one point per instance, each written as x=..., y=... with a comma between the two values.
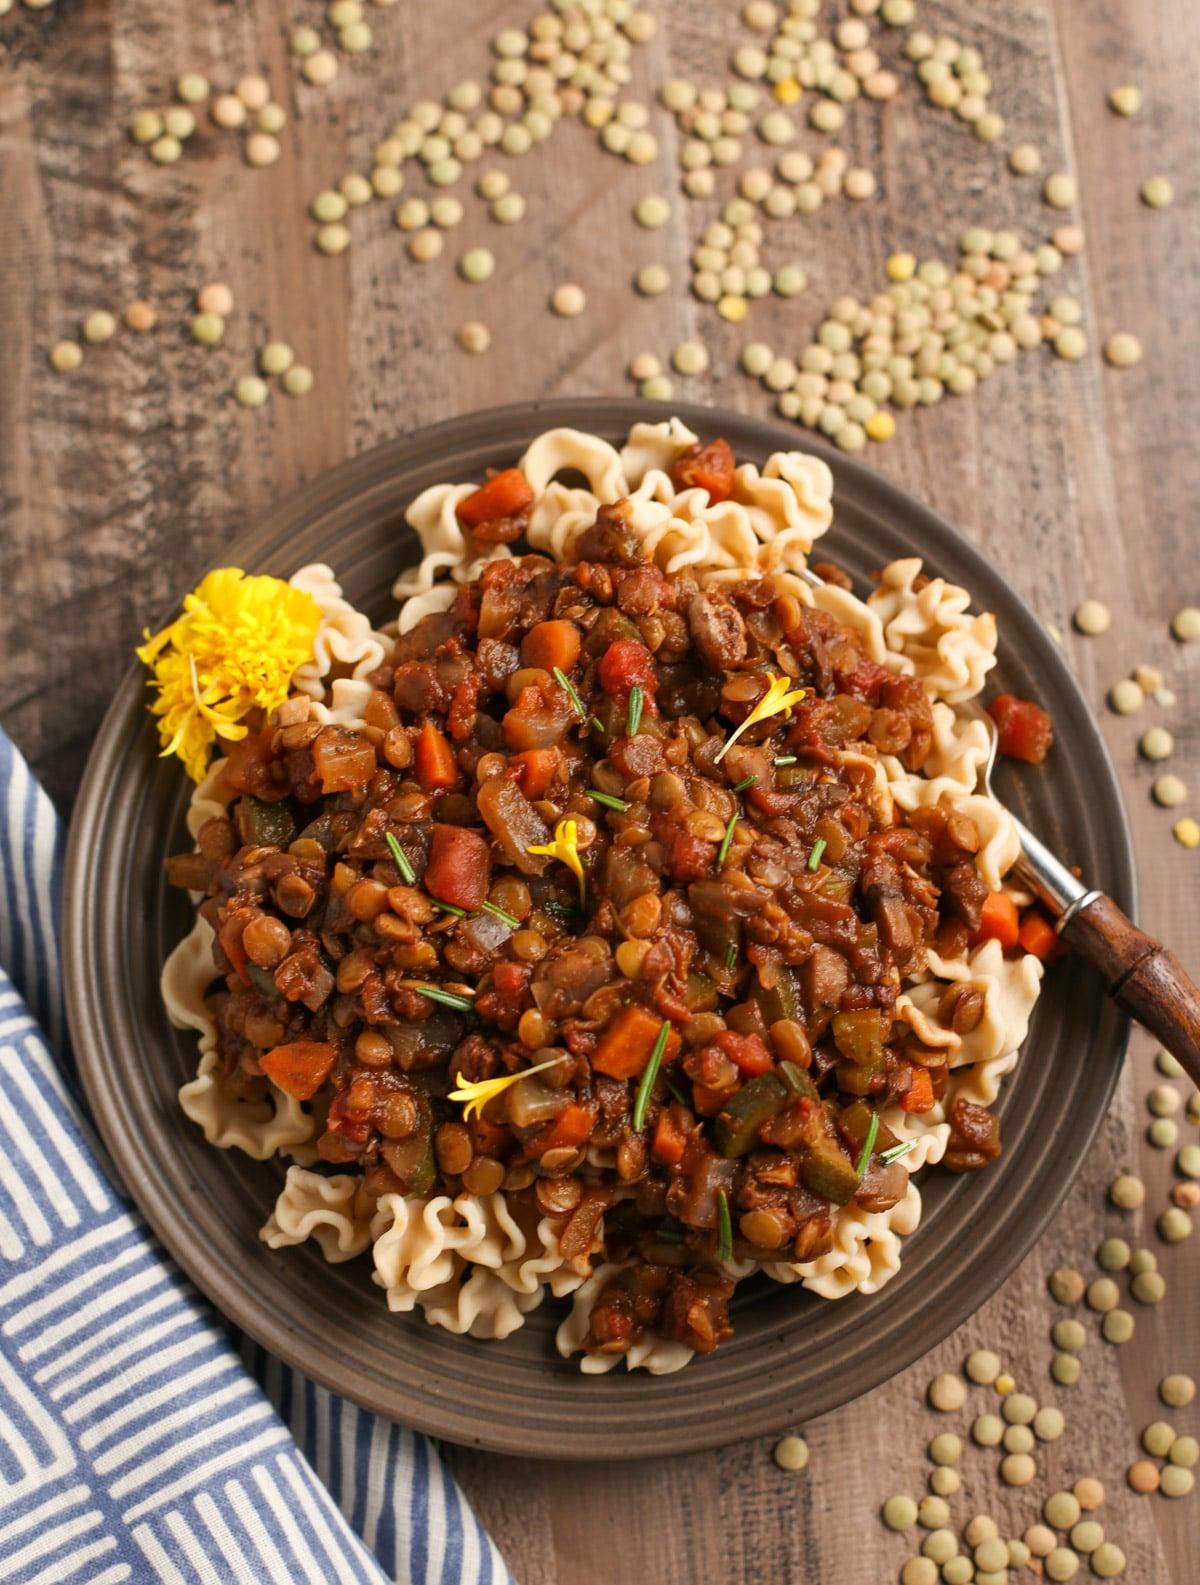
x=608, y=861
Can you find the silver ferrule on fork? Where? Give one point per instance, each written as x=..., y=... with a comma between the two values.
x=1050, y=880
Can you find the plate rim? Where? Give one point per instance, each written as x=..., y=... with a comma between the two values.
x=81, y=992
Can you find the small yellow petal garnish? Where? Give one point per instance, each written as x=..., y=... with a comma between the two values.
x=477, y=1095
x=235, y=649
x=565, y=847
x=776, y=698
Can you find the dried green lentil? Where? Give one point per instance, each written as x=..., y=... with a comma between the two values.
x=1176, y=1482
x=1185, y=624
x=987, y=1430
x=1118, y=1326
x=477, y=265
x=1163, y=1133
x=1019, y=1408
x=1113, y=1254
x=1018, y=1439
x=940, y=1546
x=1174, y=1225
x=1059, y=190
x=652, y=280
x=1156, y=744
x=1125, y=697
x=657, y=389
x=1184, y=1452
x=947, y=1393
x=944, y=1480
x=333, y=239
x=1069, y=1336
x=250, y=391
x=1024, y=159
x=1092, y=618
x=1158, y=193
x=276, y=358
x=207, y=328
x=1177, y=1391
x=900, y=1513
x=1102, y=1295
x=945, y=1448
x=1122, y=350
x=1127, y=1192
x=689, y=357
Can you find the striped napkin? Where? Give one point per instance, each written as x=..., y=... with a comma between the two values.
x=140, y=1438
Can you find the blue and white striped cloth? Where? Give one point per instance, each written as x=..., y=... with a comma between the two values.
x=136, y=1443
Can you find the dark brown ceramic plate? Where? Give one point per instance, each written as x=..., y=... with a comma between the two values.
x=793, y=1356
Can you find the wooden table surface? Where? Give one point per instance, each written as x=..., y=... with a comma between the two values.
x=120, y=484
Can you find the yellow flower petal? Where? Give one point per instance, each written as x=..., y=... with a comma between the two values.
x=235, y=649
x=779, y=697
x=565, y=847
x=477, y=1095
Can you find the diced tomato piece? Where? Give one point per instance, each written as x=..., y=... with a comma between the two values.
x=749, y=1052
x=437, y=768
x=670, y=1141
x=998, y=921
x=919, y=1095
x=551, y=644
x=573, y=1126
x=1038, y=936
x=626, y=1045
x=510, y=979
x=535, y=770
x=504, y=495
x=1026, y=730
x=460, y=867
x=708, y=468
x=625, y=665
x=690, y=858
x=299, y=1068
x=460, y=718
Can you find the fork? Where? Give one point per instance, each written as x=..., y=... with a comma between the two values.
x=1145, y=978
x=1142, y=976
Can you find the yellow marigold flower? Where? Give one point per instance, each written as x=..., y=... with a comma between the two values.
x=780, y=696
x=565, y=847
x=477, y=1095
x=235, y=649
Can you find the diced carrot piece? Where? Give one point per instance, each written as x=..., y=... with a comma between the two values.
x=460, y=867
x=1038, y=936
x=573, y=1126
x=535, y=770
x=437, y=768
x=488, y=1138
x=551, y=644
x=999, y=921
x=919, y=1096
x=626, y=1045
x=670, y=1141
x=299, y=1068
x=504, y=495
x=230, y=937
x=708, y=1101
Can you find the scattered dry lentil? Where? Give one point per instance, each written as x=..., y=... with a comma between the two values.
x=66, y=356
x=1122, y=350
x=474, y=336
x=1019, y=1408
x=652, y=280
x=1118, y=1326
x=1102, y=1295
x=1184, y=1451
x=1093, y=618
x=1163, y=1133
x=1185, y=624
x=1070, y=1336
x=140, y=316
x=298, y=380
x=689, y=357
x=1017, y=1469
x=1187, y=832
x=99, y=326
x=1065, y=1369
x=1125, y=697
x=1174, y=1225
x=1176, y=1482
x=1169, y=791
x=425, y=246
x=657, y=389
x=791, y=1453
x=1040, y=1540
x=1158, y=193
x=1156, y=744
x=900, y=1513
x=1127, y=1192
x=568, y=300
x=1024, y=159
x=1177, y=1391
x=982, y=1367
x=276, y=358
x=987, y=1430
x=1067, y=1285
x=1062, y=1564
x=250, y=391
x=207, y=328
x=333, y=239
x=1113, y=1254
x=1049, y=1424
x=945, y=1448
x=1143, y=1476
x=1089, y=1493
x=262, y=148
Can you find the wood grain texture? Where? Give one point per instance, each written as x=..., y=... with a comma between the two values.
x=121, y=484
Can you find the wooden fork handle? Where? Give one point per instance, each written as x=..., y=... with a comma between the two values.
x=1142, y=976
